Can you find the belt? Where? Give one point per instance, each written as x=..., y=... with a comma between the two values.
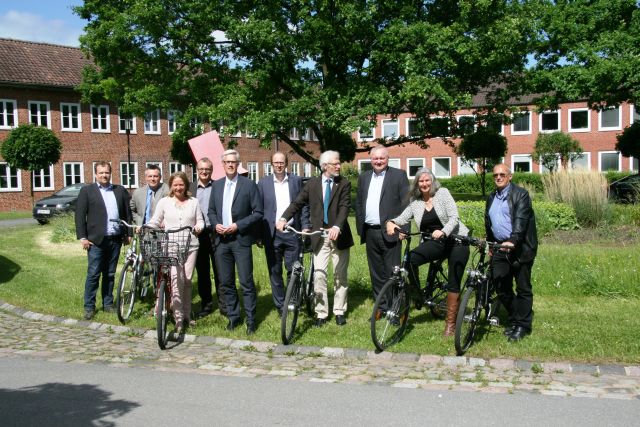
x=373, y=227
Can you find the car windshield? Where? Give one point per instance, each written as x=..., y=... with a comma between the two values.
x=69, y=191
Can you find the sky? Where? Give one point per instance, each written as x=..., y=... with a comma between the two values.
x=49, y=21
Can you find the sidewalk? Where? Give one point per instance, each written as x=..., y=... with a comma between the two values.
x=33, y=335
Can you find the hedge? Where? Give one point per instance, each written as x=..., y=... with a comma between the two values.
x=471, y=183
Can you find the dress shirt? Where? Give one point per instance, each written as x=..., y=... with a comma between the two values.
x=113, y=216
x=227, y=200
x=372, y=209
x=283, y=198
x=500, y=215
x=203, y=194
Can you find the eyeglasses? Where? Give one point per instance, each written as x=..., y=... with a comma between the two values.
x=334, y=164
x=499, y=175
x=229, y=162
x=204, y=170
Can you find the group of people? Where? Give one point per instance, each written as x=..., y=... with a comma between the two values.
x=230, y=214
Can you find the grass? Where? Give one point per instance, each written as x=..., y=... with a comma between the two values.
x=587, y=295
x=15, y=215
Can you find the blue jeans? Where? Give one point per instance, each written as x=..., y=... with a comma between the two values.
x=103, y=260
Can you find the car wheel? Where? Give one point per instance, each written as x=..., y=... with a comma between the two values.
x=42, y=221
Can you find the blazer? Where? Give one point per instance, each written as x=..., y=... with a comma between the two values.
x=446, y=210
x=91, y=212
x=393, y=200
x=139, y=201
x=339, y=205
x=266, y=187
x=246, y=209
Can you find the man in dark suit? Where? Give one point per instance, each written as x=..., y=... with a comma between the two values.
x=382, y=195
x=235, y=211
x=276, y=192
x=329, y=200
x=510, y=220
x=201, y=189
x=99, y=209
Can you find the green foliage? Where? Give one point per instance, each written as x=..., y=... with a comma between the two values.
x=629, y=141
x=531, y=180
x=625, y=214
x=484, y=147
x=64, y=229
x=472, y=183
x=31, y=147
x=551, y=146
x=615, y=175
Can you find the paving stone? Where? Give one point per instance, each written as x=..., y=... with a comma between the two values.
x=503, y=364
x=556, y=367
x=454, y=360
x=474, y=361
x=612, y=370
x=584, y=369
x=429, y=359
x=354, y=353
x=524, y=365
x=632, y=370
x=332, y=351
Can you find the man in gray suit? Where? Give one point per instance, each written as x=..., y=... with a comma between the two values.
x=144, y=199
x=235, y=211
x=276, y=192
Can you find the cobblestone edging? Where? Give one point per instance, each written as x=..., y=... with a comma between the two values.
x=25, y=333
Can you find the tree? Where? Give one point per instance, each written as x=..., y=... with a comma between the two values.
x=551, y=146
x=268, y=66
x=629, y=141
x=484, y=149
x=31, y=148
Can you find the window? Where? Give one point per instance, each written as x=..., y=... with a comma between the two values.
x=100, y=118
x=521, y=123
x=8, y=113
x=635, y=114
x=581, y=163
x=633, y=164
x=73, y=173
x=295, y=168
x=521, y=163
x=550, y=121
x=466, y=125
x=252, y=167
x=39, y=113
x=437, y=127
x=394, y=163
x=70, y=115
x=413, y=164
x=293, y=134
x=364, y=165
x=172, y=116
x=158, y=164
x=466, y=167
x=610, y=119
x=10, y=178
x=267, y=168
x=129, y=174
x=609, y=161
x=310, y=135
x=307, y=170
x=413, y=128
x=176, y=167
x=122, y=123
x=43, y=179
x=152, y=122
x=494, y=122
x=441, y=167
x=579, y=120
x=390, y=129
x=557, y=165
x=366, y=134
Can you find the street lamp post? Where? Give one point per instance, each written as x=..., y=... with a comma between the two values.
x=127, y=128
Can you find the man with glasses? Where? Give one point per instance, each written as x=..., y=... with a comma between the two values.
x=235, y=211
x=201, y=189
x=329, y=200
x=144, y=199
x=276, y=192
x=510, y=220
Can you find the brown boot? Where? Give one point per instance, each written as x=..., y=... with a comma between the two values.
x=452, y=312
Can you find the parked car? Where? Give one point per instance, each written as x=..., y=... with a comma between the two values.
x=59, y=202
x=625, y=190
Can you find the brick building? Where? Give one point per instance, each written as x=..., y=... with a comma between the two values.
x=37, y=85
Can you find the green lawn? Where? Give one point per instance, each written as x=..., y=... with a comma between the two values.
x=586, y=299
x=15, y=215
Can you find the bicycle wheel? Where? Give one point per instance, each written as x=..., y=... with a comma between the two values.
x=162, y=312
x=291, y=307
x=387, y=326
x=126, y=295
x=309, y=292
x=467, y=319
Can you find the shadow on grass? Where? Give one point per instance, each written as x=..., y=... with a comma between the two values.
x=8, y=269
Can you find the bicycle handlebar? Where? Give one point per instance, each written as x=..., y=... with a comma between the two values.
x=322, y=232
x=479, y=243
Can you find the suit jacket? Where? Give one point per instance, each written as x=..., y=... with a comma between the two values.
x=246, y=209
x=339, y=205
x=91, y=212
x=266, y=187
x=139, y=201
x=393, y=200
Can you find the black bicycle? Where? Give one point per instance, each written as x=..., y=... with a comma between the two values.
x=300, y=290
x=391, y=308
x=480, y=294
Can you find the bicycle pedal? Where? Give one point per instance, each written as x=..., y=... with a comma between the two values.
x=494, y=321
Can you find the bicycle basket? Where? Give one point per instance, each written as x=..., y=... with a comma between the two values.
x=171, y=246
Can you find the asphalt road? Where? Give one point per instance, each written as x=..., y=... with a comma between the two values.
x=16, y=222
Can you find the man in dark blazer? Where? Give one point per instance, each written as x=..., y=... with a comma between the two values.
x=99, y=209
x=382, y=194
x=235, y=211
x=329, y=200
x=276, y=192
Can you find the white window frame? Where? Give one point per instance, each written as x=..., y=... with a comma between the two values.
x=466, y=115
x=366, y=138
x=121, y=128
x=587, y=154
x=570, y=124
x=501, y=131
x=513, y=163
x=632, y=111
x=600, y=153
x=73, y=180
x=134, y=184
x=177, y=167
x=610, y=128
x=310, y=135
x=307, y=170
x=433, y=166
x=70, y=106
x=541, y=115
x=407, y=127
x=151, y=123
x=254, y=173
x=364, y=162
x=10, y=172
x=386, y=122
x=5, y=115
x=43, y=174
x=99, y=109
x=632, y=167
x=528, y=132
x=293, y=134
x=172, y=121
x=461, y=166
x=395, y=162
x=39, y=116
x=267, y=168
x=295, y=168
x=409, y=159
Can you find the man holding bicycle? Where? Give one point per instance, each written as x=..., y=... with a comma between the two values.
x=510, y=221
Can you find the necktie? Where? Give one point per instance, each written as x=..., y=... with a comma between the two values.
x=327, y=198
x=226, y=205
x=147, y=209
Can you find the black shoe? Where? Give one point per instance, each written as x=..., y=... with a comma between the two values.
x=109, y=309
x=232, y=325
x=519, y=333
x=509, y=330
x=251, y=328
x=88, y=314
x=206, y=310
x=340, y=320
x=320, y=323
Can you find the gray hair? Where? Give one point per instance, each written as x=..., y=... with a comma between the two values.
x=415, y=192
x=326, y=157
x=229, y=153
x=381, y=148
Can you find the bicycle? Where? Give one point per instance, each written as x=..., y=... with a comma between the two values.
x=165, y=249
x=135, y=277
x=391, y=308
x=300, y=287
x=480, y=293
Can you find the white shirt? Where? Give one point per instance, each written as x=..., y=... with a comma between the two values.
x=283, y=199
x=372, y=209
x=227, y=200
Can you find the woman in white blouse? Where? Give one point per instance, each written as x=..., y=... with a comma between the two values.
x=177, y=210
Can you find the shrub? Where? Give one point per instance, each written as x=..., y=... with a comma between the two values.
x=625, y=214
x=471, y=183
x=586, y=192
x=615, y=175
x=64, y=229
